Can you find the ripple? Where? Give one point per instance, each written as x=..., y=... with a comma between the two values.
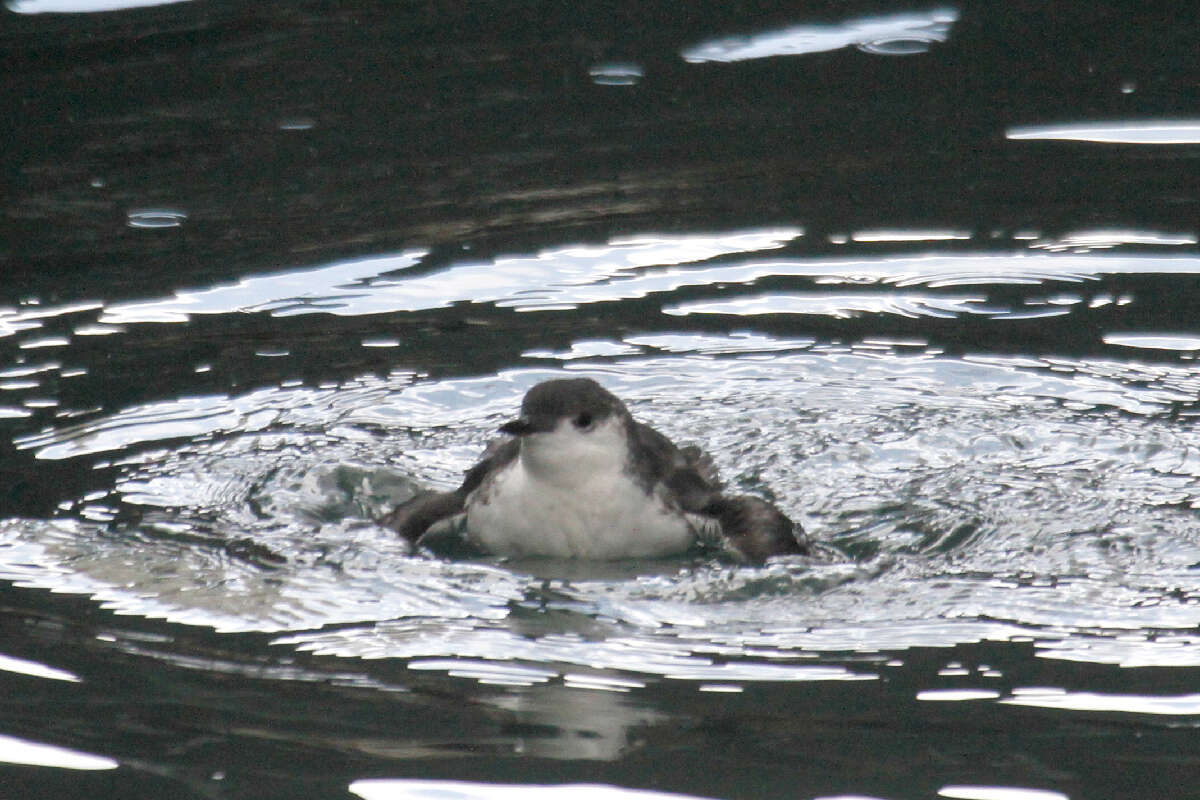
x=296, y=124
x=1153, y=132
x=957, y=695
x=906, y=44
x=289, y=289
x=534, y=282
x=487, y=672
x=840, y=306
x=22, y=751
x=1165, y=705
x=895, y=34
x=156, y=218
x=998, y=793
x=1154, y=341
x=412, y=789
x=22, y=666
x=1106, y=238
x=662, y=266
x=908, y=235
x=981, y=499
x=78, y=6
x=616, y=73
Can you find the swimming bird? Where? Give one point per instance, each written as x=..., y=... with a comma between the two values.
x=578, y=477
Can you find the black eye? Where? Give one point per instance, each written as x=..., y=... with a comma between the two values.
x=584, y=420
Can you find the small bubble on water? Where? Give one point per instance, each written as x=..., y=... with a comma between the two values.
x=616, y=74
x=297, y=124
x=898, y=47
x=155, y=218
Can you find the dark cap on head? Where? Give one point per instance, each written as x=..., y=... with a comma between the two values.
x=548, y=402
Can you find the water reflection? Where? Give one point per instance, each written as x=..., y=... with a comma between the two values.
x=32, y=313
x=627, y=269
x=544, y=281
x=1106, y=238
x=900, y=34
x=412, y=789
x=957, y=695
x=1154, y=341
x=80, y=6
x=845, y=306
x=908, y=235
x=316, y=289
x=616, y=74
x=1160, y=132
x=23, y=666
x=22, y=751
x=1043, y=514
x=977, y=498
x=998, y=793
x=1166, y=705
x=156, y=218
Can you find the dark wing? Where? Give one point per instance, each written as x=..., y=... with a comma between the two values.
x=752, y=527
x=756, y=529
x=688, y=472
x=417, y=514
x=414, y=516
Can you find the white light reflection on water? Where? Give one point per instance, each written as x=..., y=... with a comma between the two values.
x=1107, y=238
x=616, y=74
x=156, y=218
x=908, y=33
x=841, y=306
x=22, y=751
x=412, y=789
x=986, y=498
x=998, y=793
x=1164, y=705
x=589, y=348
x=80, y=6
x=957, y=695
x=1154, y=341
x=341, y=576
x=626, y=269
x=907, y=235
x=43, y=342
x=14, y=321
x=1126, y=648
x=23, y=666
x=1152, y=132
x=548, y=280
x=314, y=286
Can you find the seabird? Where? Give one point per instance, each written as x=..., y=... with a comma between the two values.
x=578, y=477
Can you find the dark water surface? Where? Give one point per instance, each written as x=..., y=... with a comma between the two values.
x=924, y=275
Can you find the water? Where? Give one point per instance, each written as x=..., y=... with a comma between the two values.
x=934, y=301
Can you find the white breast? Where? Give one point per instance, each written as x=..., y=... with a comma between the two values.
x=570, y=496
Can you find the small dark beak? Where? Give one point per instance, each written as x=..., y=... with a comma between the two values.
x=523, y=426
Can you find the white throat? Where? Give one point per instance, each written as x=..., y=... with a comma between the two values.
x=569, y=457
x=571, y=494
